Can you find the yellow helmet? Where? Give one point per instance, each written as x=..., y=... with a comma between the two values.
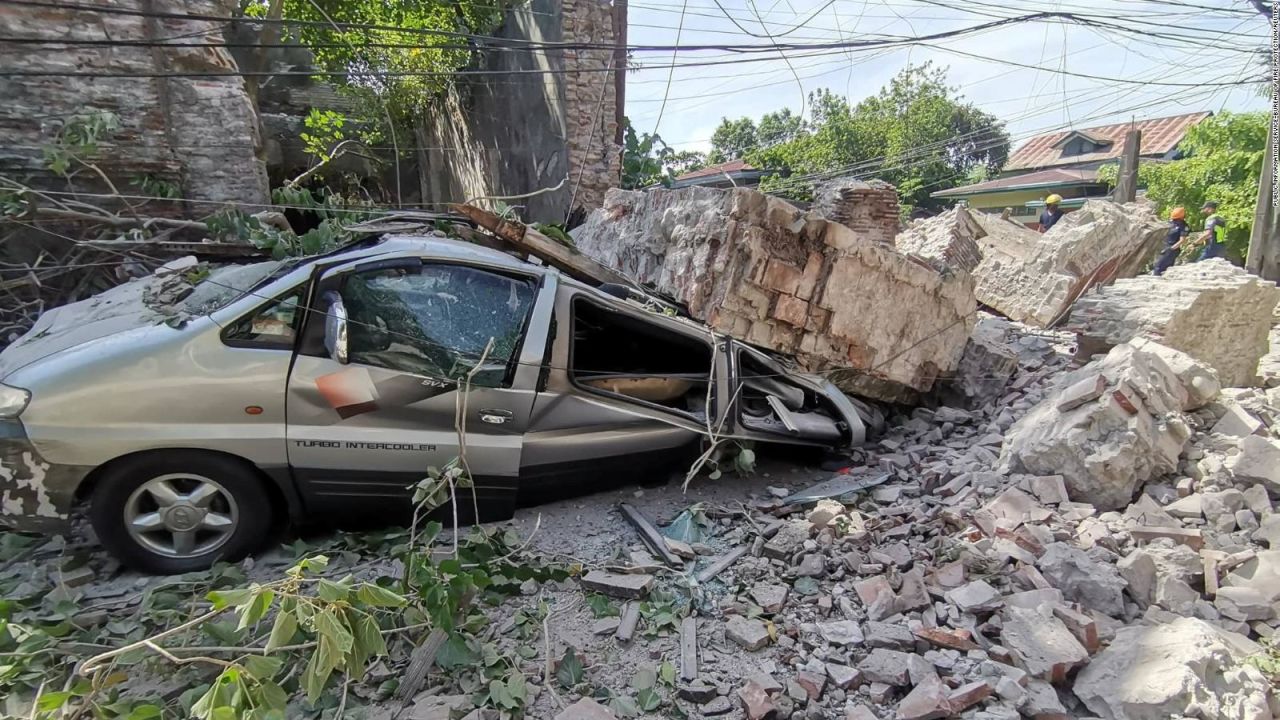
x=1053, y=199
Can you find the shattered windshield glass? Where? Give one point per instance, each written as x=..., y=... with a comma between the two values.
x=231, y=282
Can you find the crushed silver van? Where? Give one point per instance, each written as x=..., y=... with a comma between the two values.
x=194, y=413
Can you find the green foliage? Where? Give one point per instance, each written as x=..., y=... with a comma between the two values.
x=1268, y=661
x=917, y=133
x=324, y=131
x=362, y=54
x=555, y=231
x=647, y=160
x=1222, y=160
x=570, y=671
x=78, y=138
x=153, y=186
x=733, y=139
x=601, y=606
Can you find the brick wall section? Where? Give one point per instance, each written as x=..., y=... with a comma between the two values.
x=200, y=134
x=868, y=208
x=595, y=161
x=758, y=268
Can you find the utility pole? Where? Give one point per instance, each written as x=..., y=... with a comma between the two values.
x=1127, y=182
x=1264, y=241
x=620, y=70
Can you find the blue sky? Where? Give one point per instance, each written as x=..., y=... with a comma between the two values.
x=1028, y=100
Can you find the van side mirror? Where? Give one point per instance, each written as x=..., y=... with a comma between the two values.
x=335, y=328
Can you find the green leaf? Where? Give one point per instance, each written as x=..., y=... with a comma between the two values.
x=645, y=678
x=262, y=667
x=224, y=713
x=144, y=712
x=455, y=653
x=369, y=638
x=648, y=698
x=334, y=628
x=499, y=696
x=623, y=706
x=53, y=700
x=273, y=695
x=282, y=630
x=316, y=674
x=667, y=672
x=518, y=688
x=256, y=608
x=602, y=606
x=376, y=596
x=229, y=598
x=570, y=671
x=330, y=591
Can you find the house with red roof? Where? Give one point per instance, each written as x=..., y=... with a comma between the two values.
x=734, y=173
x=1066, y=163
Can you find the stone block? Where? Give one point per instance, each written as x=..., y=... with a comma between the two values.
x=1041, y=644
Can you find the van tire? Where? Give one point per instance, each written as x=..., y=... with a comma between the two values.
x=208, y=486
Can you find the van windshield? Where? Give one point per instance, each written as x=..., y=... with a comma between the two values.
x=231, y=282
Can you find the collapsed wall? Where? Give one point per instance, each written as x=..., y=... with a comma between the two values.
x=946, y=240
x=1034, y=278
x=758, y=268
x=1211, y=310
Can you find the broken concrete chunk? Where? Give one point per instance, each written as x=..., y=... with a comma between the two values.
x=751, y=634
x=1186, y=507
x=1244, y=603
x=888, y=635
x=770, y=596
x=969, y=694
x=1259, y=462
x=755, y=701
x=1040, y=643
x=887, y=666
x=840, y=632
x=928, y=700
x=586, y=709
x=1105, y=450
x=1189, y=537
x=1080, y=625
x=720, y=253
x=1042, y=703
x=618, y=585
x=1237, y=422
x=1143, y=568
x=1081, y=579
x=943, y=637
x=1082, y=392
x=1034, y=277
x=788, y=540
x=1050, y=489
x=843, y=676
x=1212, y=310
x=1160, y=671
x=824, y=512
x=975, y=597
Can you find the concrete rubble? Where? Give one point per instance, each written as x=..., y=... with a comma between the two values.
x=758, y=268
x=1034, y=278
x=1214, y=311
x=1132, y=586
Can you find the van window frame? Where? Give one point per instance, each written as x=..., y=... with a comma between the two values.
x=299, y=290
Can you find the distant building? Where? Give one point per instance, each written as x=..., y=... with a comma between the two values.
x=1066, y=163
x=735, y=173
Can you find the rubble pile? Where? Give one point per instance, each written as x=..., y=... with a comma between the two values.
x=758, y=268
x=1212, y=310
x=948, y=240
x=1103, y=546
x=1034, y=278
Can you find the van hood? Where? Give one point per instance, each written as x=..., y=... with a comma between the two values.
x=168, y=296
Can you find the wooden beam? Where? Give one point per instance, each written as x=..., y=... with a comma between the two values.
x=530, y=241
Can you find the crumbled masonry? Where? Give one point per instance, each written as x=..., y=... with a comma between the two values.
x=1212, y=310
x=758, y=268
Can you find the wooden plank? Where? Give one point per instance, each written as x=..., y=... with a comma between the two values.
x=648, y=532
x=424, y=656
x=529, y=240
x=688, y=648
x=722, y=562
x=627, y=626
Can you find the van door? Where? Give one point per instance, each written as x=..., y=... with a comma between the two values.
x=362, y=433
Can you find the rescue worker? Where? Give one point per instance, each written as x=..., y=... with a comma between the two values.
x=1052, y=213
x=1172, y=240
x=1215, y=233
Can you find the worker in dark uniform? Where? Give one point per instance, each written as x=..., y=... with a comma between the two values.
x=1052, y=213
x=1172, y=240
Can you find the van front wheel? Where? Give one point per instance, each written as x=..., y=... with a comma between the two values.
x=176, y=513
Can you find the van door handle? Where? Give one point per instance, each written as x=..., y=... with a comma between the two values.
x=495, y=417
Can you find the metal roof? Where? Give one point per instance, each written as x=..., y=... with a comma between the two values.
x=1054, y=177
x=1159, y=136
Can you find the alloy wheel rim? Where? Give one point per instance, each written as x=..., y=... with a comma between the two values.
x=181, y=515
